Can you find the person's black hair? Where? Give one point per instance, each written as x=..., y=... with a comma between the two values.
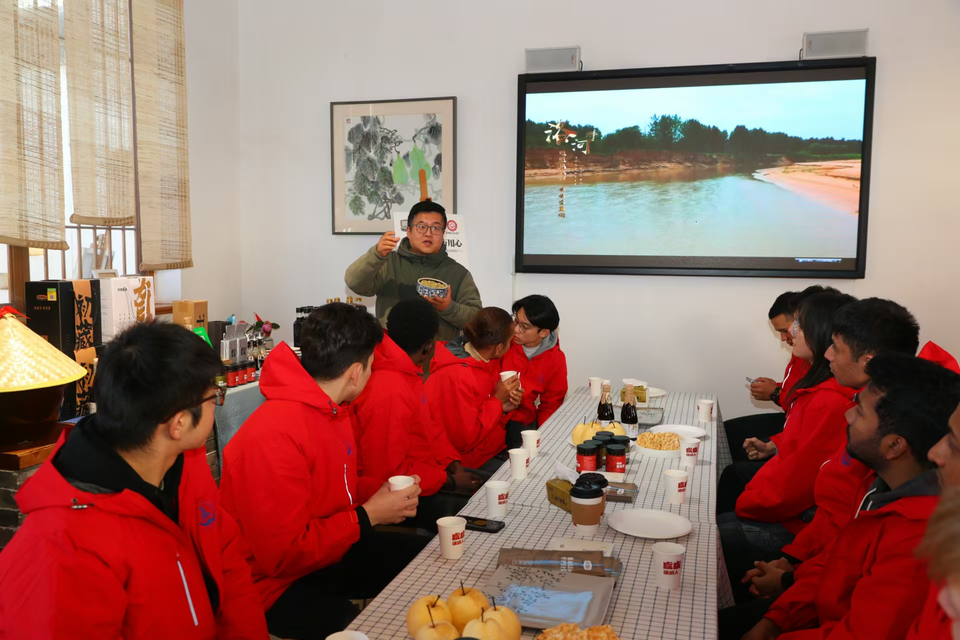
x=540, y=311
x=875, y=325
x=812, y=290
x=336, y=336
x=784, y=305
x=412, y=324
x=918, y=399
x=490, y=327
x=145, y=376
x=815, y=317
x=426, y=206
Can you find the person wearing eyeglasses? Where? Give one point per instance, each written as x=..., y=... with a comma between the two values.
x=124, y=536
x=392, y=275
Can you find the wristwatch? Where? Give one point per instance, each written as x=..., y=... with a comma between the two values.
x=775, y=396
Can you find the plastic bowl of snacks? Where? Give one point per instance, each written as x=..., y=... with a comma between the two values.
x=431, y=287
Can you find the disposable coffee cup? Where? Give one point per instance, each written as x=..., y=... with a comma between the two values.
x=676, y=484
x=348, y=635
x=705, y=410
x=519, y=461
x=596, y=387
x=531, y=442
x=586, y=507
x=689, y=451
x=498, y=494
x=668, y=564
x=452, y=531
x=399, y=483
x=506, y=375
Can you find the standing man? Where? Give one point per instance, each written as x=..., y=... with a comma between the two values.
x=392, y=275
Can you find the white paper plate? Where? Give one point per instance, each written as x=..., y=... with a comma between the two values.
x=650, y=523
x=657, y=453
x=680, y=430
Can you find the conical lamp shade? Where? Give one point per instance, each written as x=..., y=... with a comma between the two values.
x=27, y=361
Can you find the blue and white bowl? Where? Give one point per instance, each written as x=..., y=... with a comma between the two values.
x=432, y=287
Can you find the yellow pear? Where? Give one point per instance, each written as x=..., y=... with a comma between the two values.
x=419, y=614
x=615, y=428
x=484, y=629
x=585, y=431
x=466, y=605
x=441, y=630
x=507, y=620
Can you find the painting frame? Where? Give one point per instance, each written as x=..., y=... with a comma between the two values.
x=344, y=221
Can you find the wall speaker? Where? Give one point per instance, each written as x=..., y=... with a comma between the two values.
x=550, y=60
x=835, y=44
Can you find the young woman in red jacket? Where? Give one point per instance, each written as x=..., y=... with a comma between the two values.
x=464, y=390
x=124, y=535
x=542, y=367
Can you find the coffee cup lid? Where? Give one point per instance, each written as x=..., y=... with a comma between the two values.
x=586, y=491
x=592, y=478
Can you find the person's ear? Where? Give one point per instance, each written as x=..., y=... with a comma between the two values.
x=865, y=360
x=179, y=424
x=355, y=373
x=543, y=333
x=895, y=446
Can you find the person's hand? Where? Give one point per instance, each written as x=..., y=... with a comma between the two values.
x=506, y=391
x=783, y=564
x=766, y=629
x=440, y=304
x=766, y=583
x=758, y=449
x=463, y=480
x=763, y=388
x=386, y=243
x=391, y=507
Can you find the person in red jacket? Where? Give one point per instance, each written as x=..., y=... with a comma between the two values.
x=394, y=432
x=465, y=393
x=290, y=481
x=868, y=583
x=536, y=356
x=124, y=536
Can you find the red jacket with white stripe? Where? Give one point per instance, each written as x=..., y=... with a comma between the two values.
x=816, y=427
x=460, y=397
x=290, y=478
x=112, y=565
x=544, y=376
x=394, y=431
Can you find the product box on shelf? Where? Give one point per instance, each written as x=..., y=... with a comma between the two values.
x=124, y=302
x=66, y=313
x=196, y=309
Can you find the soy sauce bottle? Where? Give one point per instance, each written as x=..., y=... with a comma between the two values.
x=605, y=408
x=628, y=414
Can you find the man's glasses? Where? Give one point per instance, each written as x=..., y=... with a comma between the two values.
x=523, y=325
x=423, y=228
x=218, y=399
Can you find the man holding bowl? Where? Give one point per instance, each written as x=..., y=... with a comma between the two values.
x=420, y=267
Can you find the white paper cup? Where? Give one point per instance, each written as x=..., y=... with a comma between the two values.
x=399, y=483
x=452, y=532
x=689, y=451
x=531, y=442
x=506, y=375
x=348, y=635
x=587, y=529
x=498, y=494
x=519, y=461
x=596, y=387
x=668, y=564
x=705, y=410
x=675, y=481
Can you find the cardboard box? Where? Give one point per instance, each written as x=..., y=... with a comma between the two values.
x=558, y=492
x=196, y=309
x=66, y=313
x=124, y=302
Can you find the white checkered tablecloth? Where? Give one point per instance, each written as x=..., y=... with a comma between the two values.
x=638, y=610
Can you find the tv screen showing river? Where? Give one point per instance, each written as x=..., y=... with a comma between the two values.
x=742, y=170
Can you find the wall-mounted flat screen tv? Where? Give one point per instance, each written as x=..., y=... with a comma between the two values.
x=739, y=170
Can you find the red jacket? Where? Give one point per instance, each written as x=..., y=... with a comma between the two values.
x=815, y=429
x=796, y=369
x=933, y=623
x=460, y=397
x=544, y=376
x=838, y=479
x=394, y=431
x=290, y=478
x=868, y=583
x=112, y=565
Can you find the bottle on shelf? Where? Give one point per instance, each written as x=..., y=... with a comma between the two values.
x=605, y=408
x=297, y=324
x=628, y=413
x=350, y=300
x=329, y=300
x=336, y=299
x=360, y=305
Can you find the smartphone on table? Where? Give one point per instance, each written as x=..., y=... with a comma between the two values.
x=483, y=524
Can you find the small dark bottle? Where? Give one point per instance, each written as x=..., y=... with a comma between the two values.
x=605, y=408
x=628, y=414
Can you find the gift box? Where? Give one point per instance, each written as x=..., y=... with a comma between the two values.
x=78, y=396
x=66, y=313
x=124, y=302
x=195, y=309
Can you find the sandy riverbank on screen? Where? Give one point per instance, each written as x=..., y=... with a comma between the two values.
x=835, y=184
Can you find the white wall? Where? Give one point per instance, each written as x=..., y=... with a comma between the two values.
x=678, y=333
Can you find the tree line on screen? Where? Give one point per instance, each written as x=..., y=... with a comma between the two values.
x=673, y=133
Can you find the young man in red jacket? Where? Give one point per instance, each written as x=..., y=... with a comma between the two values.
x=868, y=582
x=124, y=536
x=535, y=354
x=394, y=431
x=290, y=481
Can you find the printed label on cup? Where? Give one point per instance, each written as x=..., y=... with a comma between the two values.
x=458, y=538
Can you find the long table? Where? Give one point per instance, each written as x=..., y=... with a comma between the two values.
x=637, y=609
